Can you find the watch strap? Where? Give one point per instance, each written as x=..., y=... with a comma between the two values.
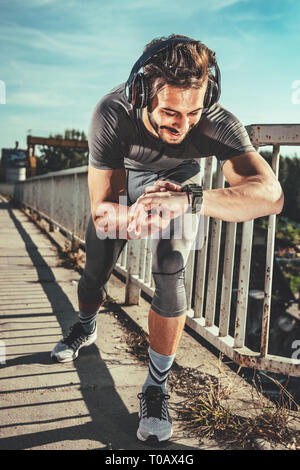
x=195, y=196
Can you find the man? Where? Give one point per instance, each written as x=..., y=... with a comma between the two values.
x=144, y=140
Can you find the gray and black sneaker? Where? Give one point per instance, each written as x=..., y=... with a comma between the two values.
x=67, y=349
x=155, y=421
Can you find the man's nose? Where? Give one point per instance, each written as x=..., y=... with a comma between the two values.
x=182, y=124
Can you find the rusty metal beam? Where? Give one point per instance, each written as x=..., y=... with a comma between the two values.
x=271, y=134
x=243, y=356
x=57, y=142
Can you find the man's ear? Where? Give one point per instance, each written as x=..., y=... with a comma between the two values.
x=153, y=102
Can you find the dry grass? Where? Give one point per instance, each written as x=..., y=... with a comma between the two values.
x=202, y=411
x=206, y=416
x=71, y=257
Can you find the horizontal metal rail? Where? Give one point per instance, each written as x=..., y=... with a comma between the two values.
x=63, y=199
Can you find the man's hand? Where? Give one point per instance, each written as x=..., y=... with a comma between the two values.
x=162, y=186
x=153, y=211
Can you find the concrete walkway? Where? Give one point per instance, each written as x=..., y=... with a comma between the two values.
x=90, y=403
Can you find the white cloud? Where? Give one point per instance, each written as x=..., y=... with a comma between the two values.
x=29, y=3
x=94, y=46
x=217, y=5
x=73, y=45
x=22, y=72
x=42, y=99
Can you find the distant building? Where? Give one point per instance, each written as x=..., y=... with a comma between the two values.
x=13, y=162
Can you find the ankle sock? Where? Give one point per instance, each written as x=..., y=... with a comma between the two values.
x=159, y=369
x=88, y=321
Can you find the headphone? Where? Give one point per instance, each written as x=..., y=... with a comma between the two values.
x=136, y=88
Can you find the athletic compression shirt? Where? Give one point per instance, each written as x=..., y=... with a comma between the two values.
x=118, y=138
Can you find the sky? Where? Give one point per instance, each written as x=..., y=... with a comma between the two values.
x=58, y=58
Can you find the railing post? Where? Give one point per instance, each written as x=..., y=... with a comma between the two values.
x=229, y=252
x=74, y=229
x=39, y=188
x=189, y=277
x=269, y=266
x=202, y=254
x=132, y=291
x=243, y=285
x=142, y=262
x=148, y=262
x=51, y=224
x=214, y=253
x=123, y=256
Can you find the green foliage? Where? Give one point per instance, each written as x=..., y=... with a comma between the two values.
x=292, y=272
x=289, y=178
x=287, y=235
x=62, y=158
x=288, y=230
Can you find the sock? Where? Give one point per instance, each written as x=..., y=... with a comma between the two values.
x=159, y=369
x=88, y=321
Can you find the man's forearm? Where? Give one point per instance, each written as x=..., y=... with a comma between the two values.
x=244, y=202
x=112, y=220
x=145, y=217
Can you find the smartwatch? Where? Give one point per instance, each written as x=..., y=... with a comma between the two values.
x=194, y=194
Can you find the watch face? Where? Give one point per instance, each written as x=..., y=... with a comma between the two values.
x=194, y=193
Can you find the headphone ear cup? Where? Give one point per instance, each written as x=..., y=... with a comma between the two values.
x=139, y=95
x=146, y=93
x=208, y=95
x=215, y=93
x=128, y=93
x=212, y=94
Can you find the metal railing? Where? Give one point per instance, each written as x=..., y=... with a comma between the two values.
x=62, y=198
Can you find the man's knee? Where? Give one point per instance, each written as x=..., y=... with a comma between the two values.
x=169, y=298
x=166, y=258
x=91, y=292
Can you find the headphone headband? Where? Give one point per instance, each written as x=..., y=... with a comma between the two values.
x=146, y=56
x=136, y=88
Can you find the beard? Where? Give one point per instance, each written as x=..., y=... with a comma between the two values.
x=158, y=130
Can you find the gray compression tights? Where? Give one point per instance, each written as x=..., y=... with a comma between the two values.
x=169, y=251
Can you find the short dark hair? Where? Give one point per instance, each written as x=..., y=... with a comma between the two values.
x=186, y=65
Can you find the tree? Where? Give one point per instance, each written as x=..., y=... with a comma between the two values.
x=289, y=178
x=62, y=158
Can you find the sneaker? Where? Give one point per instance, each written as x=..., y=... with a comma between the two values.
x=67, y=349
x=155, y=420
